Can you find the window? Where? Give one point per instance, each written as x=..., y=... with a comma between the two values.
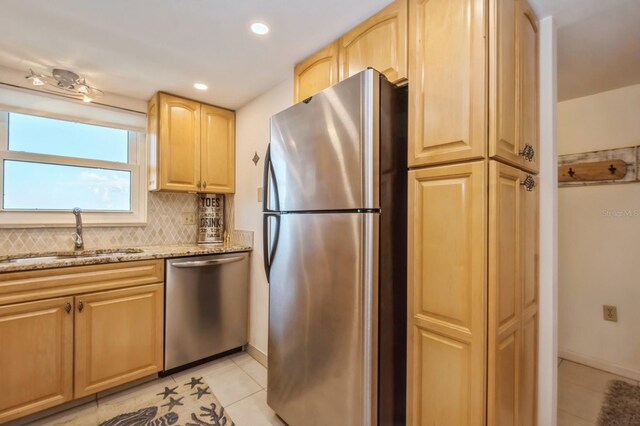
x=48, y=166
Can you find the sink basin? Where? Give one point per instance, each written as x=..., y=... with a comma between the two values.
x=47, y=257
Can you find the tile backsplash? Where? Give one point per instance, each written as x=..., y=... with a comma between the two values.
x=164, y=226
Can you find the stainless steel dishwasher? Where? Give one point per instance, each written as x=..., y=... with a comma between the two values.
x=206, y=306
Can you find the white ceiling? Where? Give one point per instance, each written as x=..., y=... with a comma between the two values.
x=136, y=48
x=598, y=44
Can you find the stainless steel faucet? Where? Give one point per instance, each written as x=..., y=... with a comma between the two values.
x=77, y=236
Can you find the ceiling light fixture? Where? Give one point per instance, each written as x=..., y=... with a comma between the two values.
x=259, y=28
x=66, y=83
x=200, y=86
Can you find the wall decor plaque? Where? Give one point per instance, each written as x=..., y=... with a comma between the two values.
x=211, y=219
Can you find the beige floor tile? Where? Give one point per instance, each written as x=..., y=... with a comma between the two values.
x=231, y=385
x=254, y=411
x=241, y=357
x=587, y=377
x=84, y=415
x=568, y=419
x=580, y=401
x=252, y=367
x=209, y=368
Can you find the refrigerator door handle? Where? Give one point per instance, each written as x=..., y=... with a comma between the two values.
x=269, y=185
x=268, y=253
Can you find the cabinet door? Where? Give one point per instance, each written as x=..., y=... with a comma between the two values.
x=513, y=276
x=513, y=83
x=218, y=150
x=447, y=90
x=529, y=267
x=316, y=73
x=447, y=295
x=528, y=68
x=379, y=42
x=179, y=143
x=36, y=356
x=118, y=337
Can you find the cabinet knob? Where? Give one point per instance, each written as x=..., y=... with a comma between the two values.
x=527, y=152
x=204, y=185
x=67, y=307
x=199, y=184
x=529, y=183
x=80, y=306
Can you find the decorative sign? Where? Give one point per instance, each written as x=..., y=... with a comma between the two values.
x=211, y=219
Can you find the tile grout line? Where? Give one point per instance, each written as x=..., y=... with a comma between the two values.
x=248, y=396
x=247, y=373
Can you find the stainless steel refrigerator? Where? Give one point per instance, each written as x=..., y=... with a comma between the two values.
x=335, y=255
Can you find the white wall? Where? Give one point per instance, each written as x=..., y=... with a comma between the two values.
x=599, y=260
x=252, y=135
x=547, y=340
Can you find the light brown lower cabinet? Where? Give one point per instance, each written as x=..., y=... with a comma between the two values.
x=447, y=264
x=36, y=356
x=473, y=304
x=513, y=296
x=118, y=337
x=83, y=342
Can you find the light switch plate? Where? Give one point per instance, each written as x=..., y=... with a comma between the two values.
x=260, y=194
x=610, y=313
x=188, y=218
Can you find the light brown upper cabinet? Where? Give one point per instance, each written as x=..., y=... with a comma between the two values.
x=379, y=42
x=191, y=146
x=178, y=144
x=316, y=73
x=447, y=300
x=447, y=81
x=513, y=84
x=218, y=150
x=36, y=355
x=513, y=296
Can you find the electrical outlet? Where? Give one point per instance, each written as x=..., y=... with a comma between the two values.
x=610, y=313
x=188, y=218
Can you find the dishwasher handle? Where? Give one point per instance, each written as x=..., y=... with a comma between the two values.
x=211, y=262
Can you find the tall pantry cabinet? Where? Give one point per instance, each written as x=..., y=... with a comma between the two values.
x=472, y=70
x=473, y=213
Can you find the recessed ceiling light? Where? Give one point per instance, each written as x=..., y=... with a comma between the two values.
x=200, y=86
x=259, y=28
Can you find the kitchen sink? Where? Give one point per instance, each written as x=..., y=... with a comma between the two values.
x=47, y=257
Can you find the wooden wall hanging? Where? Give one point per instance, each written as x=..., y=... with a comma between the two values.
x=610, y=166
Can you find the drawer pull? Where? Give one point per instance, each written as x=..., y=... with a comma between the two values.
x=527, y=152
x=529, y=183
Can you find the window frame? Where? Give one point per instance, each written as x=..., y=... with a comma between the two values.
x=136, y=166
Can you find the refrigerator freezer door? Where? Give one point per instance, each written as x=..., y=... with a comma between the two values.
x=323, y=320
x=325, y=151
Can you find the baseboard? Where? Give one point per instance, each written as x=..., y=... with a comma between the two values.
x=40, y=415
x=257, y=354
x=600, y=365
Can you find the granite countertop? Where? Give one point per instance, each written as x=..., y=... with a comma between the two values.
x=60, y=259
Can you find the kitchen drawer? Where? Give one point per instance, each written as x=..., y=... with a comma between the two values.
x=47, y=283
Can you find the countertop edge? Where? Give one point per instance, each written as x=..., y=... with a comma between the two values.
x=147, y=253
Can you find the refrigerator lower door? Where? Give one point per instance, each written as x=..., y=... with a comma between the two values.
x=323, y=320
